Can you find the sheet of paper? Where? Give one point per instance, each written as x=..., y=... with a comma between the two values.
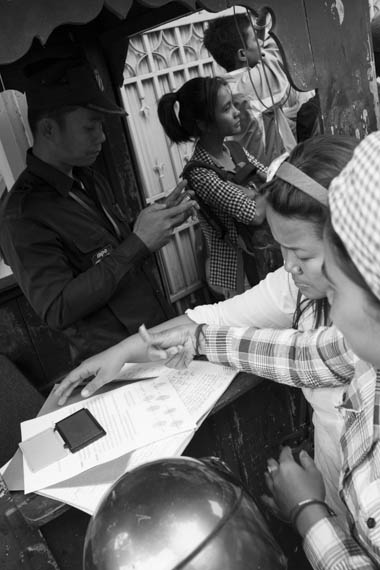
x=200, y=385
x=141, y=370
x=133, y=416
x=85, y=491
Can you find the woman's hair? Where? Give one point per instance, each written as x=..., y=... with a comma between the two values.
x=346, y=265
x=196, y=102
x=322, y=158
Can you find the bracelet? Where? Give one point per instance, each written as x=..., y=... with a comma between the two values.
x=297, y=510
x=197, y=334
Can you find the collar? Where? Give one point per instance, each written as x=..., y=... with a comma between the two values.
x=235, y=73
x=55, y=178
x=220, y=164
x=234, y=76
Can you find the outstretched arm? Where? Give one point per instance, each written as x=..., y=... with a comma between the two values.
x=271, y=303
x=304, y=359
x=105, y=366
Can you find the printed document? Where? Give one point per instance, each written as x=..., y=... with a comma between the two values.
x=132, y=416
x=200, y=386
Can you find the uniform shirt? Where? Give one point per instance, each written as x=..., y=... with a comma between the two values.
x=229, y=203
x=316, y=359
x=81, y=268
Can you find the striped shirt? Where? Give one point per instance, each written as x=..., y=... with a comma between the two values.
x=315, y=359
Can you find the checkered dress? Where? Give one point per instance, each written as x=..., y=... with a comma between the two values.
x=315, y=359
x=229, y=203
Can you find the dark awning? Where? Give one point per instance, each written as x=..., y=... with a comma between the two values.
x=21, y=21
x=27, y=25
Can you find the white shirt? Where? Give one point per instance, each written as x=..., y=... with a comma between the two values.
x=271, y=304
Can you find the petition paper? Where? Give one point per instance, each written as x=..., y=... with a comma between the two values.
x=133, y=416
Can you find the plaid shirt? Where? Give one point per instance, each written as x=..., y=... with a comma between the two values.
x=313, y=359
x=229, y=203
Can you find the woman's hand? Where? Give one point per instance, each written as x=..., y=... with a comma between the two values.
x=249, y=191
x=261, y=207
x=289, y=483
x=103, y=367
x=253, y=193
x=175, y=345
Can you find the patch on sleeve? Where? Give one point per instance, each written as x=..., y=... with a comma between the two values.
x=101, y=254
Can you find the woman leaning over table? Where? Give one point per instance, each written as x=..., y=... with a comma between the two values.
x=294, y=295
x=352, y=266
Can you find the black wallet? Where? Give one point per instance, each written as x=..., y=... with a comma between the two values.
x=79, y=429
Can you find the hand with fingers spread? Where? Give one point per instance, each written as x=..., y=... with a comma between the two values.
x=155, y=224
x=101, y=368
x=175, y=345
x=290, y=483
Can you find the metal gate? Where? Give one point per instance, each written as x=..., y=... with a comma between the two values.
x=15, y=139
x=159, y=61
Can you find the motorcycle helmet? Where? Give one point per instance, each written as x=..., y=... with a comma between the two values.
x=179, y=513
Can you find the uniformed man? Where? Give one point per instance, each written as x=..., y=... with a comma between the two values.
x=67, y=240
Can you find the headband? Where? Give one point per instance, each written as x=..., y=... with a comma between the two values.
x=294, y=176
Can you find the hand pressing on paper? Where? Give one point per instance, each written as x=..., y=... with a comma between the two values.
x=105, y=366
x=175, y=345
x=100, y=369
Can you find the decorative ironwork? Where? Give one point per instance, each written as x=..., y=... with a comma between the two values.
x=159, y=61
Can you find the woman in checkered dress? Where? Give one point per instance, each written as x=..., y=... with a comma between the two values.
x=203, y=110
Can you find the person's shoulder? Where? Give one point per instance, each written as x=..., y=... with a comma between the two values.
x=270, y=45
x=19, y=192
x=21, y=195
x=201, y=155
x=233, y=77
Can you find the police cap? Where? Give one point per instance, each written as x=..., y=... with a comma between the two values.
x=56, y=82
